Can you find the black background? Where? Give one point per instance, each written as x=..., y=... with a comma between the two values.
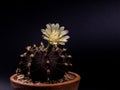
x=94, y=28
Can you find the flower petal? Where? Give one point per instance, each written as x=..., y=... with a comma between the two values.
x=62, y=43
x=53, y=26
x=48, y=26
x=48, y=31
x=57, y=26
x=62, y=28
x=44, y=37
x=64, y=38
x=62, y=33
x=45, y=32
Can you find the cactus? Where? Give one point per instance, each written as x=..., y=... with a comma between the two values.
x=46, y=64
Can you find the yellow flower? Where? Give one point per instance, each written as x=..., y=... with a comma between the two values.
x=55, y=34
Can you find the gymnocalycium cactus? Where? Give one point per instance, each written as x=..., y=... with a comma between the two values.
x=46, y=64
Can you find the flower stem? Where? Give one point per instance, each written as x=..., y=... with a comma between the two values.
x=49, y=48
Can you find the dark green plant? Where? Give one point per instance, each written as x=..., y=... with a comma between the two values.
x=46, y=64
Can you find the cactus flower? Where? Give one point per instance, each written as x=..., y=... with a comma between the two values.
x=55, y=34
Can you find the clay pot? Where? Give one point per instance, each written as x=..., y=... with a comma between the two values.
x=68, y=85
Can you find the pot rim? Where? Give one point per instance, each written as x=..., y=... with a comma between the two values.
x=77, y=79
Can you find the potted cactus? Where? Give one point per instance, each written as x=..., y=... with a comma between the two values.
x=46, y=67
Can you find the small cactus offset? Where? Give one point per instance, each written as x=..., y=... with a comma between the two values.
x=46, y=64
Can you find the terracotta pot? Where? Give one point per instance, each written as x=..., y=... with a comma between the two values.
x=68, y=85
